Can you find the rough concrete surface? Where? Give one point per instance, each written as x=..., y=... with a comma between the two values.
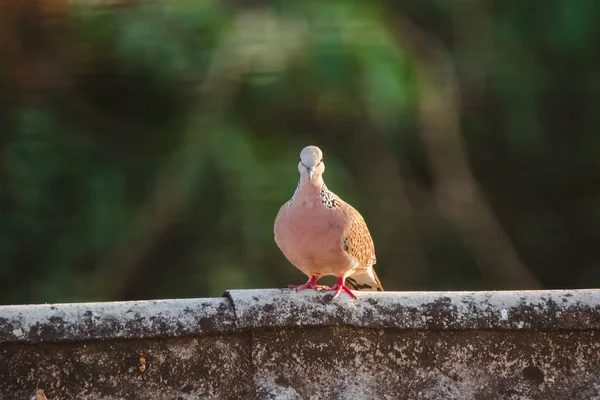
x=115, y=320
x=346, y=363
x=279, y=344
x=559, y=309
x=179, y=368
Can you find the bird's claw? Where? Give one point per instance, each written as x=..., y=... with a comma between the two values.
x=339, y=287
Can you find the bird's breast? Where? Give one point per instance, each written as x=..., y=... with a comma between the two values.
x=310, y=236
x=308, y=204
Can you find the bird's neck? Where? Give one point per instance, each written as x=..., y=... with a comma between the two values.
x=317, y=182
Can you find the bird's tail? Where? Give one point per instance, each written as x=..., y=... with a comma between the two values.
x=366, y=280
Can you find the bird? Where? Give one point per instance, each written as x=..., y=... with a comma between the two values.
x=320, y=234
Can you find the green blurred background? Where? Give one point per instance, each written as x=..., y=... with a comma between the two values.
x=146, y=146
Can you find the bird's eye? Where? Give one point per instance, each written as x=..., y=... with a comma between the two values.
x=321, y=161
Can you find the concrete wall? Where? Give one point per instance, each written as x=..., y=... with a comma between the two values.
x=278, y=344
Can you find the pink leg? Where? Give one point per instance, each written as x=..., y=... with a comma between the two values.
x=339, y=287
x=311, y=284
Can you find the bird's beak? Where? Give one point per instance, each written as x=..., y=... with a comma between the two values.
x=309, y=172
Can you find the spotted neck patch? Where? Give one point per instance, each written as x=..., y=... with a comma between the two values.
x=328, y=198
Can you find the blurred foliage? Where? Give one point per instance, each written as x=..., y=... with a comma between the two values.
x=146, y=147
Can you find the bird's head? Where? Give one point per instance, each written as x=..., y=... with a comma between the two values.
x=311, y=165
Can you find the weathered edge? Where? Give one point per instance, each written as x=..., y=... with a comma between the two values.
x=505, y=310
x=281, y=308
x=115, y=320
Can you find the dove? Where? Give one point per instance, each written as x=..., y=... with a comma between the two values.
x=321, y=234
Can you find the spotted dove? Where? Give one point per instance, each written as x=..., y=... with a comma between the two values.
x=320, y=234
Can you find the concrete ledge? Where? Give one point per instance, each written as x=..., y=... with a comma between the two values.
x=559, y=309
x=116, y=320
x=279, y=344
x=269, y=308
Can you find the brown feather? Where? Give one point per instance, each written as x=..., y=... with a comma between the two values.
x=357, y=239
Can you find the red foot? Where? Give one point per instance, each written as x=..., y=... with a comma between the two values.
x=339, y=287
x=311, y=284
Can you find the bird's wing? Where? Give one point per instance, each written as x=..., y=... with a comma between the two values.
x=357, y=240
x=358, y=244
